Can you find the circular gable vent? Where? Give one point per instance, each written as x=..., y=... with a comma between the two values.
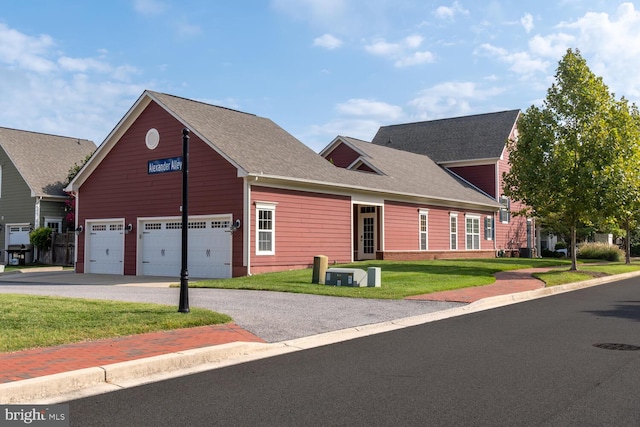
x=152, y=139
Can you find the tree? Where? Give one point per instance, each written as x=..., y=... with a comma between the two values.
x=558, y=162
x=70, y=203
x=621, y=189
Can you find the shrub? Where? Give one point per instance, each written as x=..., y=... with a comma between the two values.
x=561, y=245
x=41, y=238
x=600, y=251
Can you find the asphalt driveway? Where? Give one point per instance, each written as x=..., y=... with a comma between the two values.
x=273, y=316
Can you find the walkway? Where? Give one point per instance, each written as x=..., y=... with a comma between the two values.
x=507, y=282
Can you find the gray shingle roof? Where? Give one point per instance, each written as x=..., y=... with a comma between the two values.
x=481, y=136
x=260, y=147
x=44, y=160
x=255, y=144
x=409, y=172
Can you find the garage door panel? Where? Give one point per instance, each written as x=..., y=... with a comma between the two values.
x=209, y=248
x=106, y=248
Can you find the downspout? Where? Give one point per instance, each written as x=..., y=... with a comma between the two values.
x=246, y=229
x=36, y=224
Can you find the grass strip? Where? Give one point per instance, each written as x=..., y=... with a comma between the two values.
x=30, y=321
x=399, y=279
x=585, y=272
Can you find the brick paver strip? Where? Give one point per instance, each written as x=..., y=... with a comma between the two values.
x=507, y=282
x=20, y=365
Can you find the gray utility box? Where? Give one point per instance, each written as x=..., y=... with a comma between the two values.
x=346, y=277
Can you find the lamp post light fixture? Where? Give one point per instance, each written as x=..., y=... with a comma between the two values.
x=184, y=272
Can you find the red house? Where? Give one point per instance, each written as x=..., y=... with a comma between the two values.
x=260, y=200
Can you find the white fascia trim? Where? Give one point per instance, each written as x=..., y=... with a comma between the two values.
x=473, y=162
x=280, y=182
x=361, y=161
x=337, y=141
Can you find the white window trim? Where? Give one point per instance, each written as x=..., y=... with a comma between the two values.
x=421, y=232
x=451, y=234
x=505, y=209
x=56, y=220
x=489, y=228
x=265, y=206
x=467, y=234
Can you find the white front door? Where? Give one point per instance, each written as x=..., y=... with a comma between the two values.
x=105, y=247
x=367, y=236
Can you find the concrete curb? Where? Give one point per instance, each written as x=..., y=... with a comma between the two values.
x=58, y=387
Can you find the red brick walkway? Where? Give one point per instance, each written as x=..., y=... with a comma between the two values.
x=38, y=362
x=507, y=282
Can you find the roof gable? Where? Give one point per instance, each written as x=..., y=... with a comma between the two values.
x=44, y=160
x=259, y=148
x=475, y=137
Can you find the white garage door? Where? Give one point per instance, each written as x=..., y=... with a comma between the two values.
x=209, y=247
x=18, y=234
x=105, y=248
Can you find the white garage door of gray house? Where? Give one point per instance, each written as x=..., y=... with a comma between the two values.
x=105, y=247
x=209, y=247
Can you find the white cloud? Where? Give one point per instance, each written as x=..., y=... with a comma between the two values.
x=522, y=63
x=26, y=52
x=45, y=90
x=451, y=99
x=370, y=108
x=416, y=58
x=319, y=136
x=527, y=22
x=327, y=41
x=611, y=46
x=149, y=7
x=445, y=12
x=402, y=53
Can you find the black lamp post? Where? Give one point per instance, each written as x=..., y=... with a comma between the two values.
x=184, y=272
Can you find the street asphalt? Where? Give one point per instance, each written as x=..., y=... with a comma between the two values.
x=287, y=322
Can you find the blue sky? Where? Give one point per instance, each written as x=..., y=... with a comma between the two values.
x=318, y=68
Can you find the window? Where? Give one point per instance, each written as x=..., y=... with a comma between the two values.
x=473, y=232
x=488, y=228
x=505, y=212
x=424, y=230
x=54, y=223
x=453, y=231
x=265, y=219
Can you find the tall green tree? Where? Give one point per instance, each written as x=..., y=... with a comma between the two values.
x=558, y=160
x=621, y=189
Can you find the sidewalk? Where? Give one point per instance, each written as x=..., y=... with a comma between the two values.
x=25, y=367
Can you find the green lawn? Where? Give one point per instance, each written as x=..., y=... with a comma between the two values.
x=30, y=321
x=585, y=272
x=399, y=279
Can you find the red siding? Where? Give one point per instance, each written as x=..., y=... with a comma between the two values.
x=122, y=188
x=514, y=234
x=307, y=224
x=402, y=233
x=482, y=176
x=342, y=156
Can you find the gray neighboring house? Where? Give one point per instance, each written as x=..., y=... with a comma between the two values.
x=33, y=172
